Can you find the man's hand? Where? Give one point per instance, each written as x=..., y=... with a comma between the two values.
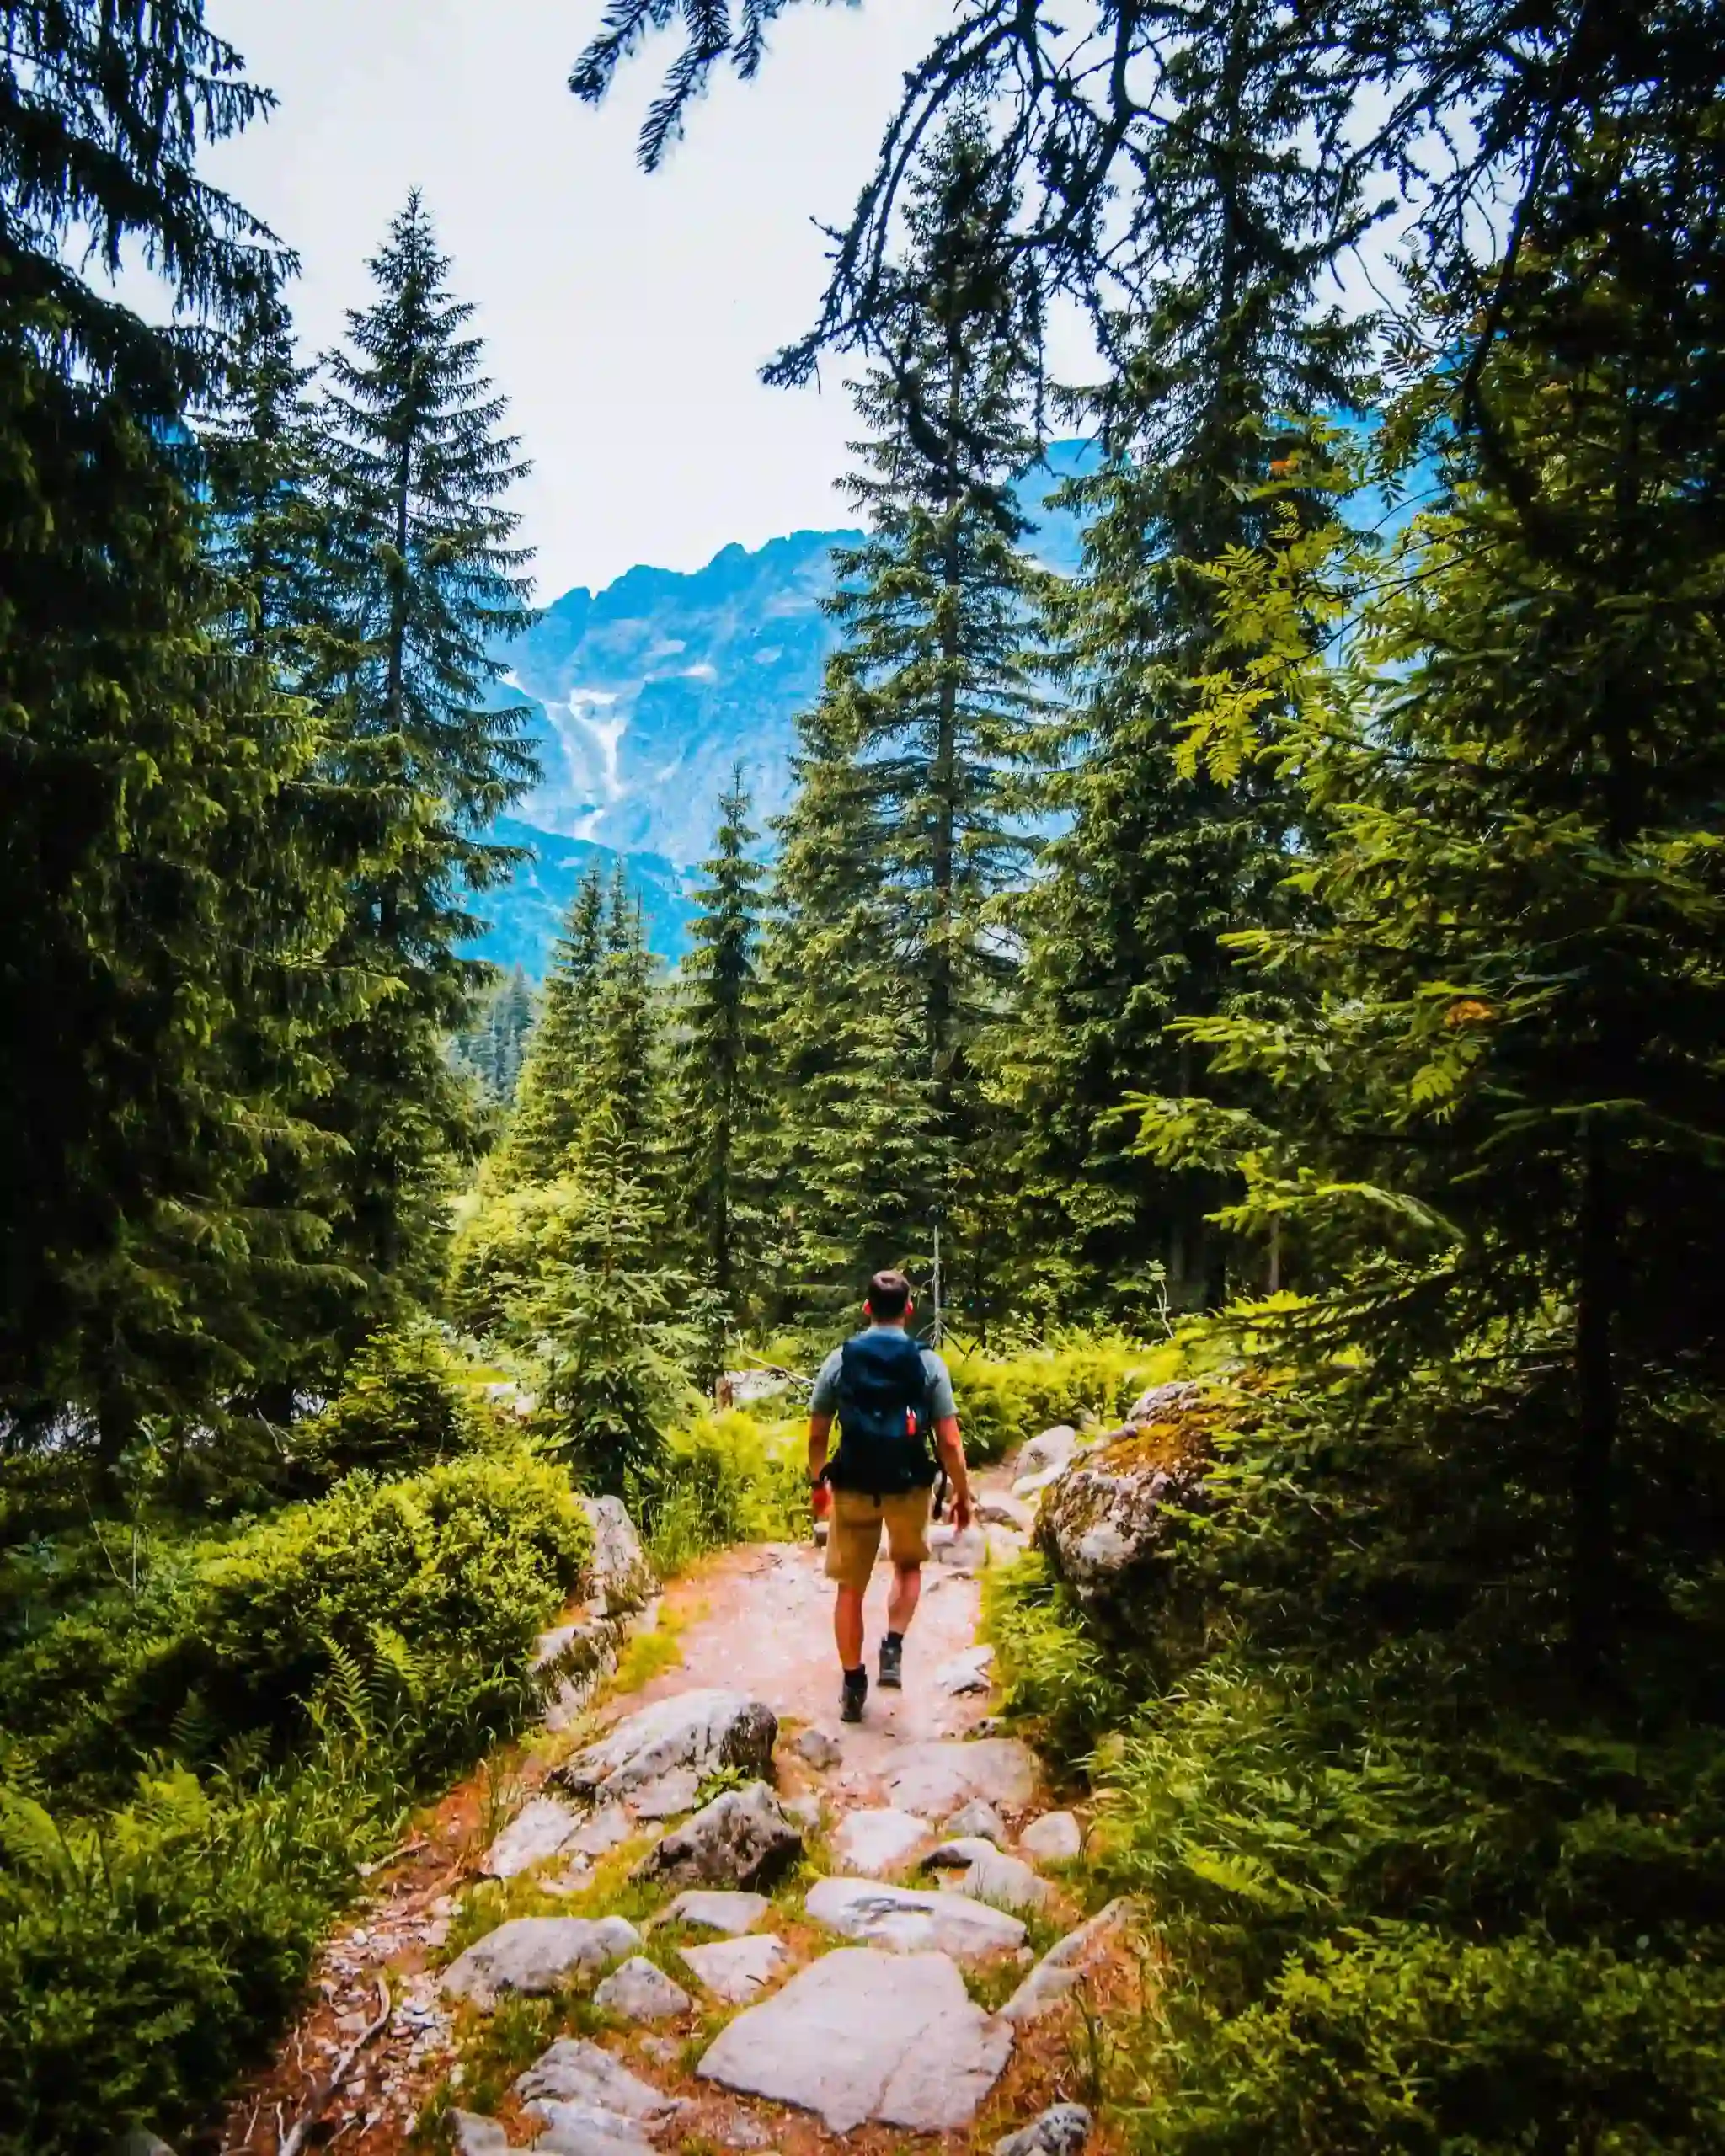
x=820, y=1499
x=961, y=1510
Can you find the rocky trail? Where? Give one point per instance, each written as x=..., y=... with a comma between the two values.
x=695, y=1913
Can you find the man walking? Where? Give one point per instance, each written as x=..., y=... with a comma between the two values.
x=891, y=1398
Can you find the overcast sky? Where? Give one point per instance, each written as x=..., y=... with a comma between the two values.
x=625, y=317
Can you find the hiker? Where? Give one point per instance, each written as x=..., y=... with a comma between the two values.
x=891, y=1396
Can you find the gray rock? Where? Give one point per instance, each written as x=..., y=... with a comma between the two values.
x=665, y=1796
x=910, y=1922
x=740, y=1839
x=989, y=1876
x=1006, y=1512
x=140, y=2141
x=859, y=2036
x=575, y=2071
x=964, y=1673
x=574, y=1660
x=640, y=1991
x=977, y=1818
x=621, y=1579
x=734, y=1969
x=602, y=1831
x=1056, y=1838
x=935, y=1778
x=1106, y=1526
x=1053, y=1448
x=963, y=1550
x=1161, y=1403
x=717, y=1909
x=704, y=1729
x=1062, y=1966
x=587, y=2130
x=1062, y=2130
x=537, y=1834
x=535, y=1955
x=744, y=2133
x=876, y=1841
x=477, y=2137
x=818, y=1747
x=1030, y=1486
x=807, y=1810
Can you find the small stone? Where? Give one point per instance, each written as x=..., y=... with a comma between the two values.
x=575, y=2070
x=909, y=1922
x=1006, y=1512
x=861, y=2034
x=1053, y=1448
x=535, y=1834
x=1003, y=1881
x=744, y=2133
x=807, y=1810
x=536, y=1954
x=717, y=1909
x=667, y=2050
x=962, y=1549
x=1062, y=2130
x=818, y=1747
x=1056, y=1838
x=477, y=2137
x=740, y=1839
x=964, y=1673
x=640, y=1991
x=735, y=1969
x=587, y=2130
x=1032, y=1485
x=665, y=1796
x=977, y=1819
x=876, y=1841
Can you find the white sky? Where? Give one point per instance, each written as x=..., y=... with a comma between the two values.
x=625, y=317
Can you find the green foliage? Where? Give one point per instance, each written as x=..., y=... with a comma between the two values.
x=1078, y=1377
x=402, y=1405
x=1053, y=1675
x=721, y=1479
x=147, y=1957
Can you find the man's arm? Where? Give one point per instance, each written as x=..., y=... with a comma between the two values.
x=950, y=1444
x=819, y=1431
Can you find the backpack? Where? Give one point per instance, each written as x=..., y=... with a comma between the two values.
x=883, y=1416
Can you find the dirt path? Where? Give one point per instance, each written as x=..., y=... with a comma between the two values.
x=756, y=1619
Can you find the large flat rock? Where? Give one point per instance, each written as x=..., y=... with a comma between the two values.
x=535, y=1955
x=1063, y=1964
x=935, y=1778
x=861, y=2034
x=718, y=1908
x=575, y=2071
x=873, y=1841
x=537, y=1833
x=703, y=1730
x=735, y=1969
x=909, y=1922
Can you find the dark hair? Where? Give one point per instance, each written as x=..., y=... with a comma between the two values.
x=888, y=1296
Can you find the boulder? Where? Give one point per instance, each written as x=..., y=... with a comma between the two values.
x=702, y=1730
x=818, y=1748
x=909, y=1922
x=1104, y=1527
x=572, y=1662
x=619, y=1578
x=964, y=1673
x=734, y=1969
x=600, y=1831
x=1053, y=1448
x=473, y=2136
x=1006, y=1512
x=937, y=1777
x=575, y=2070
x=666, y=1795
x=739, y=1839
x=640, y=1991
x=582, y=2130
x=535, y=1955
x=1163, y=1403
x=859, y=2036
x=717, y=1909
x=1003, y=1881
x=1056, y=1838
x=1062, y=1966
x=875, y=1841
x=537, y=1833
x=977, y=1818
x=1062, y=2130
x=1031, y=1486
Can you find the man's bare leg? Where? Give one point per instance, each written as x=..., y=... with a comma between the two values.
x=847, y=1625
x=900, y=1609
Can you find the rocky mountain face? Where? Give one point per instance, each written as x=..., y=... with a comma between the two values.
x=644, y=694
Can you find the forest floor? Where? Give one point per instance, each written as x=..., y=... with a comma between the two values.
x=755, y=1618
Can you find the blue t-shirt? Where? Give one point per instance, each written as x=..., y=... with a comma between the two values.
x=941, y=1402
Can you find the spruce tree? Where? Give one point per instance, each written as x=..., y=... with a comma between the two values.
x=552, y=1096
x=718, y=1092
x=430, y=584
x=908, y=825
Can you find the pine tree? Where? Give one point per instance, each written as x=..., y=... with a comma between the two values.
x=430, y=584
x=552, y=1095
x=907, y=826
x=719, y=1090
x=1159, y=860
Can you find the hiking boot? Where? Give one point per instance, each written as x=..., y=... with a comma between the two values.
x=855, y=1693
x=892, y=1663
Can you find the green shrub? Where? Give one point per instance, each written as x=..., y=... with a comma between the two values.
x=721, y=1478
x=1415, y=2043
x=401, y=1406
x=147, y=1960
x=1005, y=1400
x=1051, y=1671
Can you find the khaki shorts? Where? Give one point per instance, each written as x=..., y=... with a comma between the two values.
x=853, y=1541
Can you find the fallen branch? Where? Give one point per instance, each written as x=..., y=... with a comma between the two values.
x=296, y=2141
